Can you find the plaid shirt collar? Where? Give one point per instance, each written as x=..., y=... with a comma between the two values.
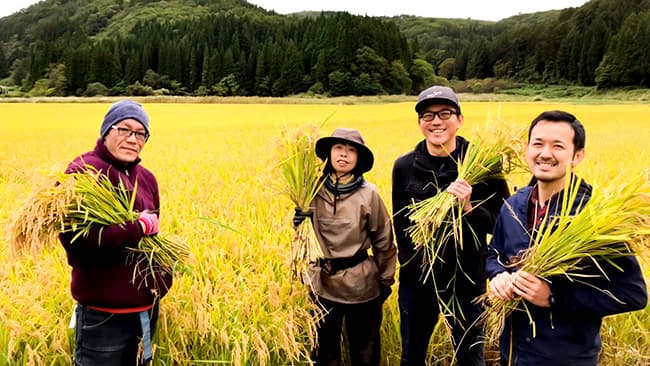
x=537, y=211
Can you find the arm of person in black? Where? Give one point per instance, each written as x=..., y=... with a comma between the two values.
x=487, y=199
x=401, y=201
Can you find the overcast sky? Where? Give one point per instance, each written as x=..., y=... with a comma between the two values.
x=475, y=9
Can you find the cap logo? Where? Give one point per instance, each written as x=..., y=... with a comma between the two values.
x=432, y=95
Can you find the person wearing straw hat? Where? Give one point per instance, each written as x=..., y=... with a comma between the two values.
x=116, y=310
x=458, y=273
x=349, y=219
x=561, y=324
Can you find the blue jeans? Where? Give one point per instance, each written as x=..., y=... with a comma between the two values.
x=109, y=339
x=419, y=314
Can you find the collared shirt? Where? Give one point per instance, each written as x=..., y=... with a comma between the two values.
x=536, y=210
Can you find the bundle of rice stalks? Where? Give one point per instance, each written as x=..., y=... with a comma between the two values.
x=79, y=202
x=614, y=223
x=37, y=222
x=493, y=153
x=301, y=171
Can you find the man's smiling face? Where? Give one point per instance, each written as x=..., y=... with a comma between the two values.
x=551, y=150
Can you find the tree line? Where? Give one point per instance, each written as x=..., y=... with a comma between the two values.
x=229, y=47
x=338, y=54
x=604, y=43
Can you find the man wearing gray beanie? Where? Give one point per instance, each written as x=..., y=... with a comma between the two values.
x=122, y=110
x=124, y=309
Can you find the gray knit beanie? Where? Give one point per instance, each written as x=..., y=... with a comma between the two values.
x=122, y=110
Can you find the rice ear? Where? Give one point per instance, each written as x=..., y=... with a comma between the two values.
x=302, y=173
x=34, y=226
x=79, y=202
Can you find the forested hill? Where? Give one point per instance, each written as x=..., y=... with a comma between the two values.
x=230, y=47
x=201, y=47
x=604, y=42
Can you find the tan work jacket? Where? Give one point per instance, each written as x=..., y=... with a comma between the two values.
x=361, y=222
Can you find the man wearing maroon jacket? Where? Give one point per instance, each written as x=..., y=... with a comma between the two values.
x=117, y=296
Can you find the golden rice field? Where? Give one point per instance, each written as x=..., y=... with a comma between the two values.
x=235, y=304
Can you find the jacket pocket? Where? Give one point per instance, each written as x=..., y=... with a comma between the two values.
x=338, y=235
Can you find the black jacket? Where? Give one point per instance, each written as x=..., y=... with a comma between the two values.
x=418, y=175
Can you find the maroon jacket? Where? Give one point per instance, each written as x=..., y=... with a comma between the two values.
x=102, y=268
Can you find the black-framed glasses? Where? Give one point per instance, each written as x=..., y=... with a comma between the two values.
x=127, y=132
x=444, y=115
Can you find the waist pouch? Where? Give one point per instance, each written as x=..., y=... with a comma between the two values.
x=333, y=265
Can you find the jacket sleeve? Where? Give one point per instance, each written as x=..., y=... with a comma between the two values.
x=105, y=237
x=487, y=199
x=381, y=236
x=400, y=218
x=493, y=261
x=623, y=290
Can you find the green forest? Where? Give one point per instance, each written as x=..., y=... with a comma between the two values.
x=233, y=48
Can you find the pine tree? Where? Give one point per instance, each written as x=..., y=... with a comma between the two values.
x=4, y=67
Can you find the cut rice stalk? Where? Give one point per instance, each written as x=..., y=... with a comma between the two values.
x=494, y=153
x=302, y=173
x=79, y=202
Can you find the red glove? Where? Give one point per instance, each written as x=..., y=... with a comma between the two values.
x=149, y=223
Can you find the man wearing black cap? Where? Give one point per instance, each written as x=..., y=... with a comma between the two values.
x=458, y=274
x=117, y=297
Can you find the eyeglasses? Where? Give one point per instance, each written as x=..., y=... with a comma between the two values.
x=444, y=114
x=125, y=132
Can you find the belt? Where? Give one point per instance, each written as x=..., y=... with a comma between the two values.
x=333, y=265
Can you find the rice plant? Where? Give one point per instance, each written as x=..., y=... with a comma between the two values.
x=79, y=202
x=302, y=173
